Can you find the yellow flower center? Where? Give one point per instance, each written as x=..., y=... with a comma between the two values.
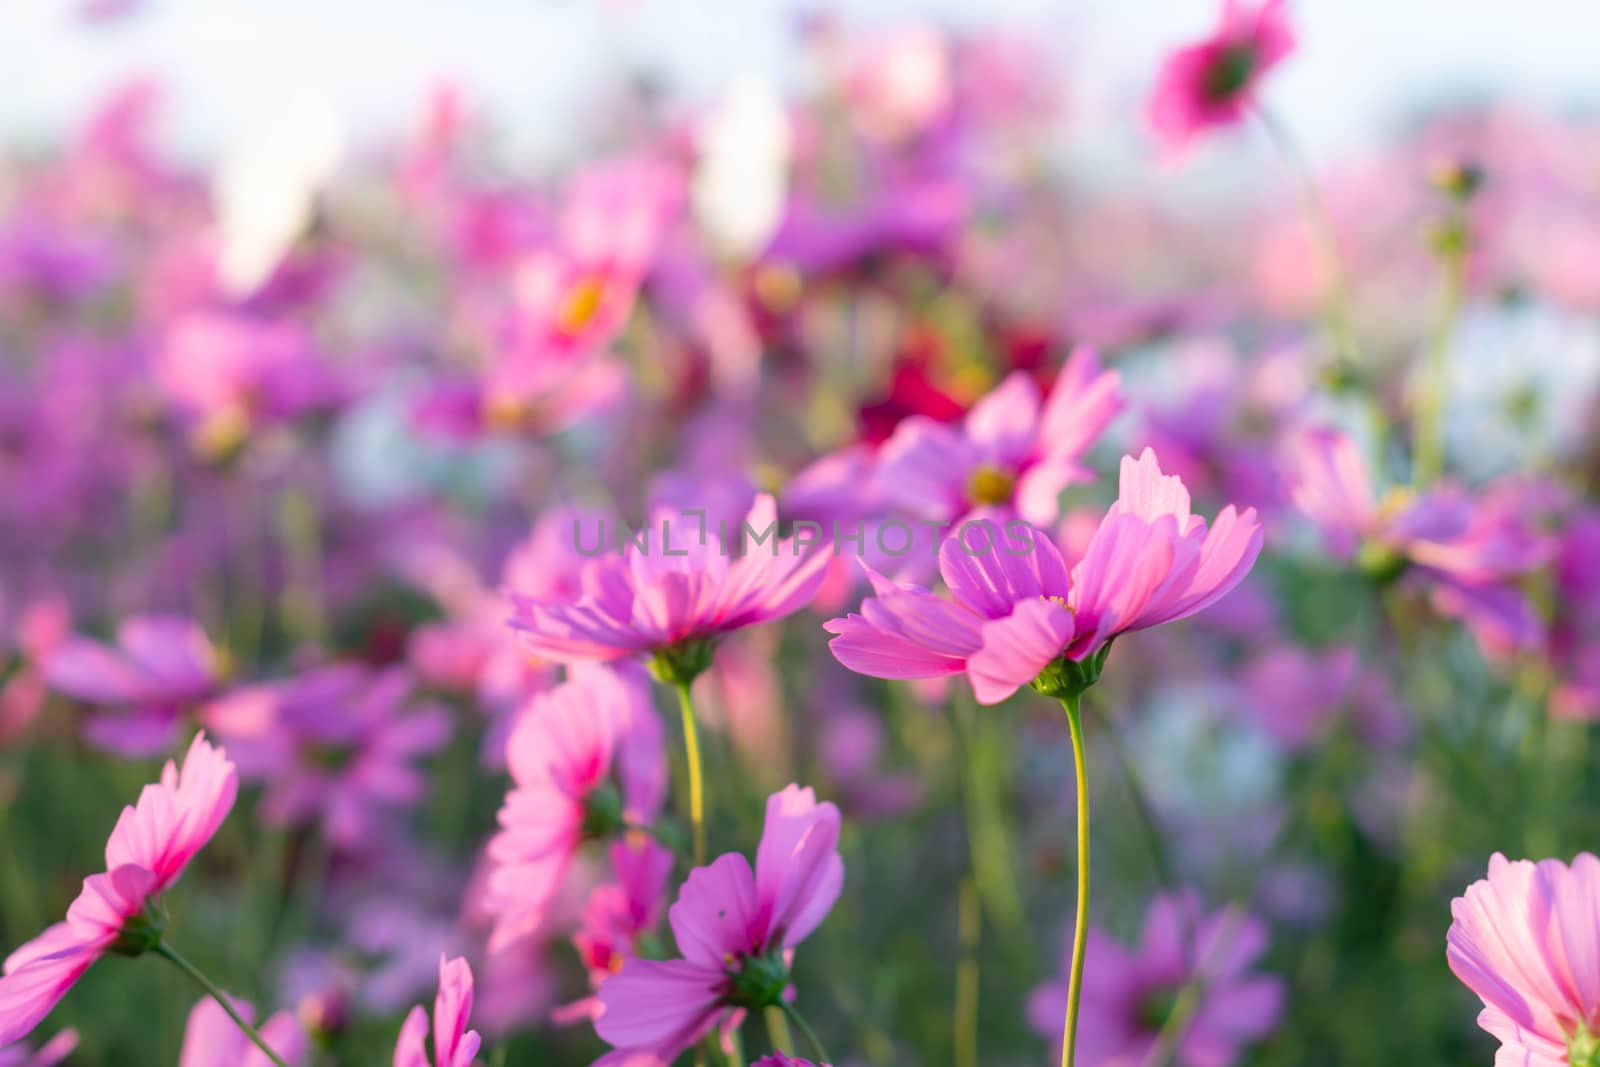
x=582, y=303
x=990, y=485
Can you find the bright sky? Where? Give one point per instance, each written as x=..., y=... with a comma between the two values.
x=533, y=63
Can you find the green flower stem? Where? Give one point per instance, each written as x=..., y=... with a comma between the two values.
x=1072, y=703
x=778, y=1030
x=691, y=745
x=800, y=1024
x=1427, y=447
x=166, y=951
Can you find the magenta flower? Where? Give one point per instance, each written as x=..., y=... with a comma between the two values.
x=211, y=1039
x=160, y=667
x=616, y=915
x=1129, y=997
x=736, y=930
x=1470, y=554
x=52, y=1052
x=1015, y=611
x=117, y=911
x=1524, y=940
x=1213, y=82
x=569, y=746
x=677, y=593
x=453, y=1044
x=1013, y=450
x=336, y=745
x=778, y=1059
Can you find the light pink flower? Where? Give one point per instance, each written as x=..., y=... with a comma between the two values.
x=683, y=586
x=1469, y=553
x=1526, y=939
x=453, y=1044
x=160, y=667
x=151, y=845
x=1014, y=449
x=616, y=915
x=1129, y=997
x=1014, y=611
x=1213, y=82
x=564, y=754
x=211, y=1039
x=52, y=1052
x=736, y=930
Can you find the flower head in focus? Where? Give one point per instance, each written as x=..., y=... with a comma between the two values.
x=119, y=911
x=736, y=930
x=674, y=590
x=1524, y=939
x=1016, y=617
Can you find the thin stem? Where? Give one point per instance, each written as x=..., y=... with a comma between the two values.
x=778, y=1031
x=804, y=1027
x=697, y=800
x=1337, y=297
x=1428, y=443
x=969, y=928
x=1080, y=929
x=166, y=951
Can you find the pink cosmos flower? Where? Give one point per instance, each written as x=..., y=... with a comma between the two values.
x=453, y=1044
x=616, y=915
x=1014, y=449
x=1469, y=553
x=564, y=754
x=148, y=850
x=1524, y=940
x=1129, y=997
x=211, y=1039
x=229, y=372
x=679, y=589
x=162, y=666
x=1213, y=82
x=52, y=1052
x=1014, y=611
x=736, y=931
x=336, y=745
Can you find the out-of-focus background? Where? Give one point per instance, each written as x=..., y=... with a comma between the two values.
x=537, y=65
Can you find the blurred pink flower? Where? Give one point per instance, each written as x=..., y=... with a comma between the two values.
x=148, y=850
x=335, y=745
x=1213, y=82
x=1129, y=997
x=569, y=745
x=1015, y=611
x=453, y=1044
x=736, y=931
x=161, y=667
x=1469, y=552
x=681, y=587
x=1524, y=940
x=211, y=1039
x=1014, y=449
x=779, y=1059
x=616, y=915
x=52, y=1052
